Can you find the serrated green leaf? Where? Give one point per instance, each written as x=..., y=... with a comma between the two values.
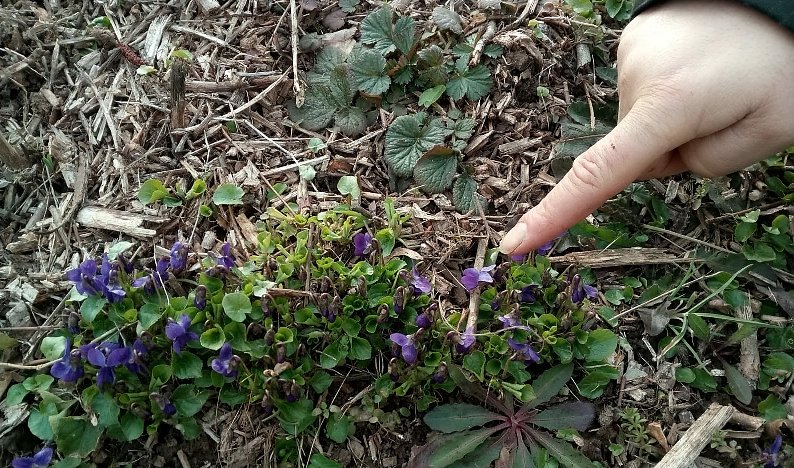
x=447, y=19
x=339, y=85
x=350, y=120
x=318, y=108
x=433, y=69
x=348, y=6
x=473, y=83
x=368, y=71
x=492, y=50
x=458, y=417
x=376, y=30
x=464, y=191
x=738, y=383
x=404, y=34
x=436, y=170
x=228, y=194
x=771, y=408
x=407, y=139
x=613, y=7
x=463, y=128
x=581, y=7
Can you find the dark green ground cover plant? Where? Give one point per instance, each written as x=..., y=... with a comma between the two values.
x=151, y=342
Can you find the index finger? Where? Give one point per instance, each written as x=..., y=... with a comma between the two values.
x=599, y=173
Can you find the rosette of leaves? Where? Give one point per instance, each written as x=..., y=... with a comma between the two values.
x=473, y=435
x=428, y=149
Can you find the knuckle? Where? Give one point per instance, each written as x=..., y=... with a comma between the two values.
x=588, y=171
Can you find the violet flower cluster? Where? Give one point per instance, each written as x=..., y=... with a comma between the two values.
x=40, y=459
x=105, y=357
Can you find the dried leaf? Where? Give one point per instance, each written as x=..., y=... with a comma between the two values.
x=447, y=19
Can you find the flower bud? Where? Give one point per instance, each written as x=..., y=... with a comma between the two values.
x=255, y=331
x=500, y=273
x=125, y=263
x=270, y=337
x=73, y=323
x=361, y=286
x=393, y=369
x=267, y=311
x=281, y=353
x=441, y=374
x=325, y=284
x=383, y=313
x=399, y=300
x=336, y=306
x=200, y=300
x=267, y=404
x=423, y=321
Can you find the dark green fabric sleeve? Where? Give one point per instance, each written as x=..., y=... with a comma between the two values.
x=781, y=11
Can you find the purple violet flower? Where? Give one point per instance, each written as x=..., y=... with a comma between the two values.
x=524, y=350
x=419, y=282
x=472, y=277
x=546, y=248
x=362, y=243
x=40, y=459
x=154, y=279
x=508, y=321
x=164, y=404
x=527, y=294
x=406, y=344
x=226, y=259
x=178, y=257
x=70, y=367
x=107, y=357
x=467, y=340
x=137, y=352
x=423, y=320
x=579, y=290
x=770, y=456
x=226, y=362
x=518, y=258
x=179, y=332
x=84, y=278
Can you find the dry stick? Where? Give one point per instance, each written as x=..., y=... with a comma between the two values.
x=686, y=450
x=528, y=8
x=178, y=71
x=293, y=19
x=474, y=297
x=486, y=37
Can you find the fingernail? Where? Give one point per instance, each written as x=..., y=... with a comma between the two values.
x=513, y=239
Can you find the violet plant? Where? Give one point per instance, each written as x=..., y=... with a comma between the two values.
x=151, y=341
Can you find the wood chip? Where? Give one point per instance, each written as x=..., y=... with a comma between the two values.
x=115, y=220
x=684, y=453
x=620, y=257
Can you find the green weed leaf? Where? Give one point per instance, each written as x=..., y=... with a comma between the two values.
x=549, y=383
x=52, y=347
x=339, y=427
x=738, y=383
x=74, y=435
x=321, y=461
x=368, y=73
x=406, y=140
x=213, y=338
x=187, y=401
x=430, y=96
x=562, y=451
x=473, y=83
x=236, y=306
x=458, y=417
x=228, y=194
x=91, y=307
x=186, y=365
x=600, y=344
x=456, y=446
x=576, y=414
x=151, y=191
x=436, y=169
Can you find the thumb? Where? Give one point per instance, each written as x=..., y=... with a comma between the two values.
x=599, y=173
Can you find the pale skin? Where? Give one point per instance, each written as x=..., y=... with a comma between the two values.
x=704, y=86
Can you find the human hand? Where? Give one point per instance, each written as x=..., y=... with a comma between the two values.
x=706, y=87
